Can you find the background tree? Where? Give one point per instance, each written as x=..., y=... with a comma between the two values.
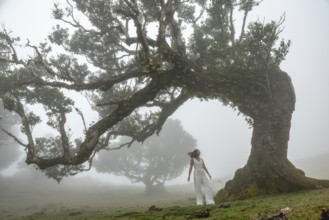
x=9, y=151
x=134, y=57
x=159, y=159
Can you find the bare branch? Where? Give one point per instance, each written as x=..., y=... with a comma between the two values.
x=103, y=84
x=244, y=23
x=14, y=56
x=107, y=103
x=279, y=24
x=64, y=138
x=8, y=60
x=128, y=145
x=166, y=110
x=74, y=23
x=14, y=137
x=82, y=117
x=232, y=28
x=139, y=27
x=199, y=16
x=247, y=7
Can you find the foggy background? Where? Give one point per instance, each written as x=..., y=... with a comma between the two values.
x=223, y=137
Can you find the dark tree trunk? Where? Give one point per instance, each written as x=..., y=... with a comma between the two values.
x=268, y=169
x=151, y=189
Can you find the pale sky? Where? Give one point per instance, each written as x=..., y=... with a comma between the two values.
x=224, y=137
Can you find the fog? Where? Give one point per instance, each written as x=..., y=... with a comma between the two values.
x=223, y=137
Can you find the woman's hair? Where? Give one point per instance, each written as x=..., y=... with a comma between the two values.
x=194, y=153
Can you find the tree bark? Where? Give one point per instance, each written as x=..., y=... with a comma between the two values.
x=268, y=169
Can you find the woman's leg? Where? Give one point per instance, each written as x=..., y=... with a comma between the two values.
x=198, y=191
x=207, y=191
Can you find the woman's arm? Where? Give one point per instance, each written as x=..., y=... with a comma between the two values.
x=205, y=169
x=190, y=170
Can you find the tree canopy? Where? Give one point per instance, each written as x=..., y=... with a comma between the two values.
x=133, y=55
x=138, y=61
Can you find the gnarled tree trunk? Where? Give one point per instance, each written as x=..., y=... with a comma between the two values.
x=268, y=169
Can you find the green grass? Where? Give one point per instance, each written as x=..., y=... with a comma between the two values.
x=305, y=205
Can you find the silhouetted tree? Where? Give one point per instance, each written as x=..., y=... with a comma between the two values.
x=139, y=57
x=8, y=148
x=159, y=159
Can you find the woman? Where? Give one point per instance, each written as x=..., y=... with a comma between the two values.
x=200, y=178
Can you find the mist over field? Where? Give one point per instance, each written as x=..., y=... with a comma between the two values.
x=29, y=192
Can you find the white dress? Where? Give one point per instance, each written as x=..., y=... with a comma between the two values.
x=201, y=182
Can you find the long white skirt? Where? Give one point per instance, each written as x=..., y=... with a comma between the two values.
x=201, y=182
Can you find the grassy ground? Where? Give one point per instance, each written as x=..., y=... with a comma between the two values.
x=305, y=205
